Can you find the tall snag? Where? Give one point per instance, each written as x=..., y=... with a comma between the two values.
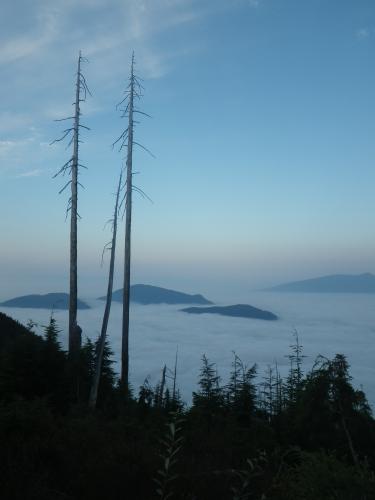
x=126, y=139
x=128, y=222
x=71, y=167
x=103, y=333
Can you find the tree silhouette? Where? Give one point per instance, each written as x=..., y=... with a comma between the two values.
x=126, y=140
x=102, y=338
x=71, y=167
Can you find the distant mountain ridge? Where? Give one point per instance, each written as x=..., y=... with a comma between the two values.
x=149, y=294
x=47, y=301
x=335, y=283
x=238, y=311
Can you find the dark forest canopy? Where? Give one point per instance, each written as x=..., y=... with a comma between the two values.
x=310, y=436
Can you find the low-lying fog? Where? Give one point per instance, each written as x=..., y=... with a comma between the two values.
x=327, y=324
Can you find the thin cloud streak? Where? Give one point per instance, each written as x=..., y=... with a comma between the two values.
x=363, y=33
x=255, y=3
x=26, y=45
x=30, y=173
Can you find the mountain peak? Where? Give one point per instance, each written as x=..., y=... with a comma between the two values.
x=150, y=294
x=335, y=283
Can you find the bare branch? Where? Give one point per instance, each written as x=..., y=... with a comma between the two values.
x=63, y=119
x=107, y=246
x=65, y=133
x=69, y=143
x=141, y=113
x=66, y=185
x=84, y=84
x=142, y=193
x=123, y=100
x=122, y=137
x=63, y=168
x=147, y=150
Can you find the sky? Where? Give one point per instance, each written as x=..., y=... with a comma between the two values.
x=262, y=127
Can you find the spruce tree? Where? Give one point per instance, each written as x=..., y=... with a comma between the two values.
x=294, y=381
x=241, y=392
x=210, y=395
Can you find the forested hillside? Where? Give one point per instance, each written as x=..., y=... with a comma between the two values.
x=311, y=436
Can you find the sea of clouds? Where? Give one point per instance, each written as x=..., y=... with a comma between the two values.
x=327, y=324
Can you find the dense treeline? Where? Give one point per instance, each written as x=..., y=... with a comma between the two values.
x=307, y=437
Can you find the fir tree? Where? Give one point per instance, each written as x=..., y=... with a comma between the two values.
x=146, y=393
x=51, y=333
x=294, y=380
x=241, y=392
x=210, y=395
x=269, y=393
x=54, y=364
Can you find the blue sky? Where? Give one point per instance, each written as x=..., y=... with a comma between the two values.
x=263, y=125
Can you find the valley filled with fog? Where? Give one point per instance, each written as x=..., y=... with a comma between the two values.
x=327, y=324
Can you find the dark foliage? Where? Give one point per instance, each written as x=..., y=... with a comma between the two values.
x=310, y=437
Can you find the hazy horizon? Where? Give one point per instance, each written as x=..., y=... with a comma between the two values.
x=95, y=285
x=262, y=118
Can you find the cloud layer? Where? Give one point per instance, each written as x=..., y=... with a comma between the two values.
x=327, y=324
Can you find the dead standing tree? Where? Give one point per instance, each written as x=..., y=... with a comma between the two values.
x=71, y=167
x=101, y=344
x=132, y=94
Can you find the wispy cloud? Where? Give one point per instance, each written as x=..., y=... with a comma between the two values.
x=54, y=29
x=44, y=31
x=363, y=33
x=10, y=146
x=40, y=48
x=22, y=156
x=12, y=122
x=36, y=172
x=255, y=3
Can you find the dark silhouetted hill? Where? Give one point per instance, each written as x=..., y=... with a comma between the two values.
x=47, y=301
x=238, y=310
x=336, y=283
x=9, y=328
x=148, y=294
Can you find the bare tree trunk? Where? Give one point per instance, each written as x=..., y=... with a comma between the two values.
x=162, y=385
x=175, y=377
x=103, y=333
x=71, y=167
x=128, y=218
x=74, y=330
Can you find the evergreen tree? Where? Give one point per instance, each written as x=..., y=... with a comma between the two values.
x=54, y=364
x=294, y=381
x=175, y=404
x=330, y=412
x=241, y=392
x=269, y=393
x=83, y=372
x=51, y=333
x=210, y=395
x=107, y=376
x=146, y=394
